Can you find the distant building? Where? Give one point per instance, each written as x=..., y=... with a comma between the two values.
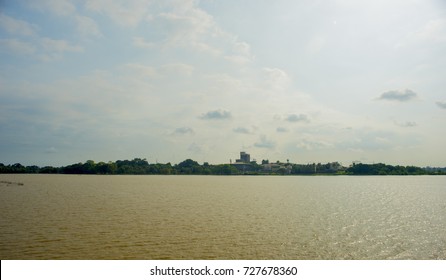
x=244, y=158
x=283, y=168
x=244, y=164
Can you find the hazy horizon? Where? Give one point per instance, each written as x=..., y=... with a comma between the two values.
x=308, y=81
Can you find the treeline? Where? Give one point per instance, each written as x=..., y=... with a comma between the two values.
x=384, y=169
x=319, y=168
x=189, y=166
x=136, y=166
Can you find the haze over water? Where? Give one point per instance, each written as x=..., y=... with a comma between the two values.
x=212, y=217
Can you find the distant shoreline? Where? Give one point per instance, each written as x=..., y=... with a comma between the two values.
x=139, y=166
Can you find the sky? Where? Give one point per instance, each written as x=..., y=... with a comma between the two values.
x=299, y=80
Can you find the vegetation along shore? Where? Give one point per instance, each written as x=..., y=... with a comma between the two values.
x=189, y=166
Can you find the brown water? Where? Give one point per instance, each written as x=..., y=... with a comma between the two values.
x=211, y=217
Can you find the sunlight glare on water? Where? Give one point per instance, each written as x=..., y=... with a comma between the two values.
x=222, y=217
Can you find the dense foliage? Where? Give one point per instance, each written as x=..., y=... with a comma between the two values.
x=135, y=166
x=383, y=169
x=189, y=166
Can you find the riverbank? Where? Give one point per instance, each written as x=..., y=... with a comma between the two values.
x=139, y=166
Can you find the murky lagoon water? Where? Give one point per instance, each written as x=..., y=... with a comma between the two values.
x=212, y=217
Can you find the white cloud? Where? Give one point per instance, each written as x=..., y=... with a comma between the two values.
x=42, y=47
x=216, y=115
x=434, y=31
x=128, y=13
x=242, y=130
x=54, y=49
x=224, y=83
x=59, y=45
x=60, y=7
x=188, y=24
x=16, y=26
x=440, y=104
x=46, y=49
x=297, y=118
x=401, y=96
x=237, y=59
x=86, y=26
x=265, y=143
x=167, y=71
x=241, y=53
x=183, y=130
x=242, y=48
x=181, y=69
x=139, y=42
x=184, y=64
x=315, y=45
x=313, y=144
x=57, y=7
x=406, y=124
x=182, y=24
x=17, y=46
x=143, y=71
x=276, y=78
x=189, y=27
x=197, y=148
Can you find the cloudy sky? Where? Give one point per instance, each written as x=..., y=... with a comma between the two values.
x=308, y=81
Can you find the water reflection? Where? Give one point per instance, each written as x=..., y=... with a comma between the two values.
x=211, y=217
